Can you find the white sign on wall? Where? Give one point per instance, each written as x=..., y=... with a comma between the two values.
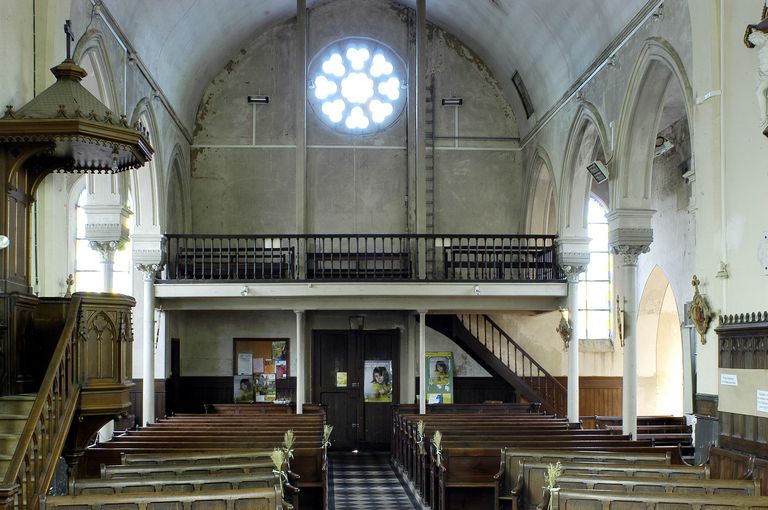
x=762, y=401
x=729, y=380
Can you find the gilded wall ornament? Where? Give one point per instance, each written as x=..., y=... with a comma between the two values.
x=620, y=325
x=700, y=313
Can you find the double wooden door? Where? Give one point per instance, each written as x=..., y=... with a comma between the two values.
x=339, y=378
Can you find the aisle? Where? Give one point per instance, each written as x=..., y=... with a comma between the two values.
x=366, y=481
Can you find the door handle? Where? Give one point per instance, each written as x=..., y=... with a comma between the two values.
x=354, y=425
x=355, y=385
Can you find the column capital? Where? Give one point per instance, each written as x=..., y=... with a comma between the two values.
x=150, y=270
x=106, y=249
x=630, y=252
x=572, y=272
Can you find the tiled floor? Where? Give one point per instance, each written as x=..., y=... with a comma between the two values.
x=366, y=481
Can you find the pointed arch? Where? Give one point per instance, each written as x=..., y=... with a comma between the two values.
x=656, y=68
x=91, y=54
x=178, y=213
x=660, y=347
x=541, y=212
x=587, y=139
x=146, y=184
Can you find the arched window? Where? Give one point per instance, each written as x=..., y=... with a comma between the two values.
x=88, y=267
x=595, y=283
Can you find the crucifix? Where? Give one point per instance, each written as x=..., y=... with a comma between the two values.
x=70, y=38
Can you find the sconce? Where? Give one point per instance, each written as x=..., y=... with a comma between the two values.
x=620, y=319
x=564, y=327
x=357, y=322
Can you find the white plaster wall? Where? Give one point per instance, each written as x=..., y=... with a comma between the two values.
x=741, y=180
x=243, y=160
x=206, y=338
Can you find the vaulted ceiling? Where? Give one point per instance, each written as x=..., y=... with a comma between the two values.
x=185, y=43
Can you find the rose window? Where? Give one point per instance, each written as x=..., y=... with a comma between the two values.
x=356, y=86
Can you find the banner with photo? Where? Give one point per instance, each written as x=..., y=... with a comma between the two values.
x=440, y=377
x=377, y=377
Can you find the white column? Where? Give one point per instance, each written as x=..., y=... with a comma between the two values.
x=629, y=389
x=423, y=372
x=629, y=235
x=299, y=361
x=148, y=391
x=107, y=251
x=572, y=273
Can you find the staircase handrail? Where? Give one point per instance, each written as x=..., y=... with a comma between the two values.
x=33, y=463
x=549, y=376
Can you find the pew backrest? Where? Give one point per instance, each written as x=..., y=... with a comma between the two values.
x=242, y=499
x=596, y=500
x=188, y=483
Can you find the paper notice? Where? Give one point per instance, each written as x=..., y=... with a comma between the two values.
x=244, y=364
x=762, y=401
x=729, y=380
x=258, y=365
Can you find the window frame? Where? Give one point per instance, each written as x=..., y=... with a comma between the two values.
x=584, y=307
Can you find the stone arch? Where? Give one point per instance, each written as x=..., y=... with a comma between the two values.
x=145, y=182
x=656, y=68
x=541, y=212
x=660, y=348
x=178, y=210
x=587, y=140
x=91, y=54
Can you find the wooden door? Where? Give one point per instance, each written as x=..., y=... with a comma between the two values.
x=337, y=384
x=376, y=427
x=357, y=424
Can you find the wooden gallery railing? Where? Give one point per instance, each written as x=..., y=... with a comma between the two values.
x=92, y=359
x=551, y=393
x=363, y=257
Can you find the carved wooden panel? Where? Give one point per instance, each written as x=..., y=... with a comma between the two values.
x=743, y=344
x=743, y=341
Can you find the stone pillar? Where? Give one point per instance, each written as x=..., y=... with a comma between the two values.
x=148, y=390
x=106, y=226
x=299, y=361
x=107, y=251
x=573, y=256
x=423, y=372
x=629, y=236
x=572, y=273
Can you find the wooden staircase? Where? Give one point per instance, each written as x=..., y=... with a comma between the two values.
x=86, y=384
x=14, y=412
x=494, y=350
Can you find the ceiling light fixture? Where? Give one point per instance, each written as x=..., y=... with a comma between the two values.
x=452, y=101
x=598, y=171
x=258, y=99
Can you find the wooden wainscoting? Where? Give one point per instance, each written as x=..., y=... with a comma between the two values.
x=598, y=396
x=476, y=390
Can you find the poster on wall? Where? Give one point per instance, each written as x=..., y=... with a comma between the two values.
x=377, y=375
x=243, y=389
x=244, y=363
x=440, y=382
x=264, y=389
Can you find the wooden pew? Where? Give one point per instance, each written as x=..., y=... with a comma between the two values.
x=594, y=500
x=465, y=477
x=198, y=458
x=185, y=483
x=527, y=492
x=193, y=435
x=242, y=499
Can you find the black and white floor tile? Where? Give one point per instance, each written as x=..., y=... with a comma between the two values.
x=366, y=481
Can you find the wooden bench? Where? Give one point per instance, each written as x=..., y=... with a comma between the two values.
x=354, y=265
x=241, y=499
x=466, y=476
x=491, y=262
x=204, y=435
x=527, y=492
x=608, y=500
x=222, y=263
x=184, y=483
